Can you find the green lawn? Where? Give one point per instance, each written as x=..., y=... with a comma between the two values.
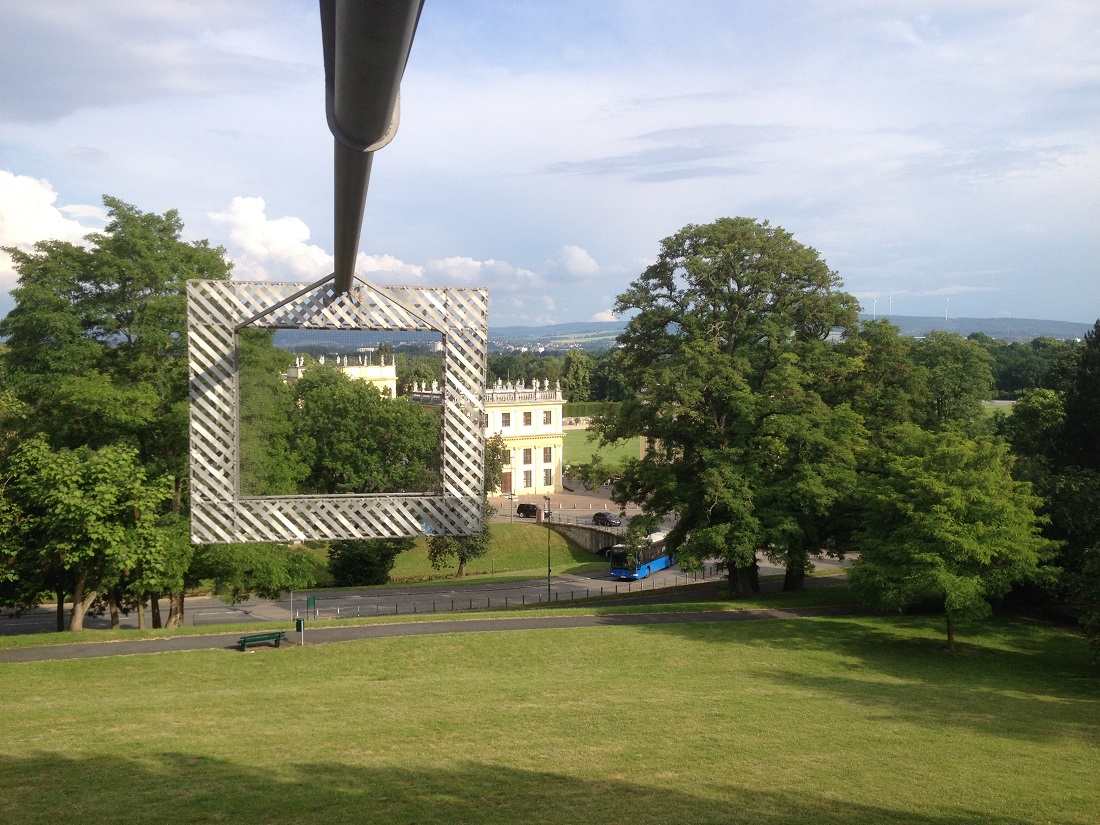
x=518, y=550
x=852, y=720
x=578, y=449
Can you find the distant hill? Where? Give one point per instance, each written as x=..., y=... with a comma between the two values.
x=602, y=334
x=597, y=335
x=583, y=334
x=1004, y=329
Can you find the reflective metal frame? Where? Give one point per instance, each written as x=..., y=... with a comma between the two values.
x=217, y=310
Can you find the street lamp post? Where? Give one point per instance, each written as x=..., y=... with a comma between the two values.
x=546, y=518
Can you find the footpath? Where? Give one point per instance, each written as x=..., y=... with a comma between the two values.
x=324, y=635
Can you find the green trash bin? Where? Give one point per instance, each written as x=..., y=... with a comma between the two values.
x=299, y=625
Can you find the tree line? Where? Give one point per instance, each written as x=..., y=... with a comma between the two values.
x=776, y=424
x=1011, y=369
x=94, y=456
x=583, y=376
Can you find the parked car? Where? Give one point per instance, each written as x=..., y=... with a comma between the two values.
x=607, y=519
x=528, y=510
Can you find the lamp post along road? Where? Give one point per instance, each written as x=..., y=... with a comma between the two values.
x=546, y=518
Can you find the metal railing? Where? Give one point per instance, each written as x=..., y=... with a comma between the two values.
x=495, y=598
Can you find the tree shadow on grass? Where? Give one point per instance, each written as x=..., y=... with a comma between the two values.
x=179, y=787
x=1009, y=678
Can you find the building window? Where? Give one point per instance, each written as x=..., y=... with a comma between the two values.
x=547, y=455
x=527, y=478
x=547, y=417
x=526, y=455
x=547, y=478
x=527, y=419
x=506, y=419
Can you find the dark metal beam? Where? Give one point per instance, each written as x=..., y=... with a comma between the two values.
x=366, y=46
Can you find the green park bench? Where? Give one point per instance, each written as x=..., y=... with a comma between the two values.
x=274, y=636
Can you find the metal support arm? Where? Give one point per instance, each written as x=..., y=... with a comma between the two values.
x=366, y=46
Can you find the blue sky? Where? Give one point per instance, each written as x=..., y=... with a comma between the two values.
x=941, y=156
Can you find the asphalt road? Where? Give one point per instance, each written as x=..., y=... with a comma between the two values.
x=331, y=604
x=313, y=636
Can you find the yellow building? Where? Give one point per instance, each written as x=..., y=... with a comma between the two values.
x=383, y=376
x=527, y=418
x=529, y=421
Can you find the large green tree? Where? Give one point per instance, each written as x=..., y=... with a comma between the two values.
x=351, y=439
x=1081, y=434
x=415, y=369
x=81, y=519
x=1019, y=367
x=944, y=520
x=576, y=376
x=463, y=549
x=525, y=367
x=887, y=387
x=240, y=571
x=959, y=378
x=363, y=562
x=1033, y=428
x=1075, y=498
x=97, y=352
x=267, y=417
x=606, y=379
x=727, y=362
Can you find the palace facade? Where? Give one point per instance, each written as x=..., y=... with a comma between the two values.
x=529, y=420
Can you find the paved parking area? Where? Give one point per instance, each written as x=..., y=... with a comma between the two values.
x=575, y=506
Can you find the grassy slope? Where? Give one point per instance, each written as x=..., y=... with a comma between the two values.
x=517, y=548
x=519, y=551
x=854, y=720
x=579, y=450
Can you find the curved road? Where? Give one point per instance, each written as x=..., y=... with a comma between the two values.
x=452, y=597
x=325, y=635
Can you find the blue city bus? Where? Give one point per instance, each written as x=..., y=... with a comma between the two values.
x=650, y=557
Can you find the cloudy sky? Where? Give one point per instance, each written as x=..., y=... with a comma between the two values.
x=942, y=155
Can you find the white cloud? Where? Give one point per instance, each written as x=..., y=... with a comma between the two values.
x=605, y=315
x=464, y=269
x=28, y=214
x=578, y=262
x=270, y=249
x=955, y=289
x=498, y=276
x=60, y=58
x=915, y=145
x=388, y=269
x=278, y=249
x=97, y=213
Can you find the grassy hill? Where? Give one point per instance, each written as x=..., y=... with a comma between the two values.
x=579, y=449
x=826, y=721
